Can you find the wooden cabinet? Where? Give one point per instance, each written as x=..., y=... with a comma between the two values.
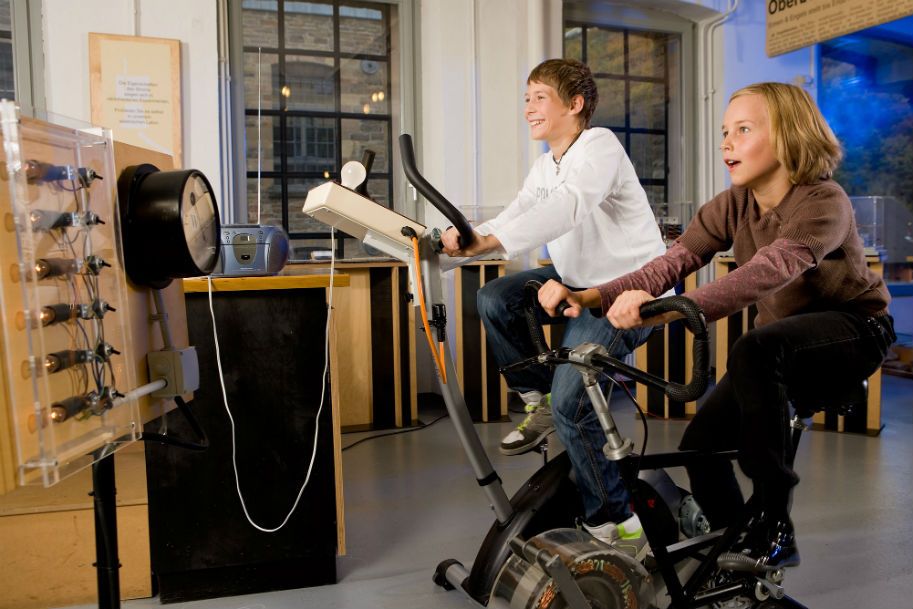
x=864, y=419
x=483, y=386
x=47, y=537
x=271, y=334
x=375, y=341
x=667, y=354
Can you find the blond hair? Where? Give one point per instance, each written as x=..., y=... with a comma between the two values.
x=570, y=78
x=803, y=141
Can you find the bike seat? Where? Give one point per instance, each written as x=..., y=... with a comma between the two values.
x=833, y=396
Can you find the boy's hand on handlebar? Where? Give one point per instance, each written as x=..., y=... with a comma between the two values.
x=481, y=244
x=450, y=239
x=552, y=293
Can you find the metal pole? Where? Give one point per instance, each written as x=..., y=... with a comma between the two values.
x=485, y=474
x=107, y=562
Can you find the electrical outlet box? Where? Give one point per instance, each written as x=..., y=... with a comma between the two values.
x=180, y=369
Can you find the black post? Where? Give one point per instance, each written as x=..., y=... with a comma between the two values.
x=107, y=562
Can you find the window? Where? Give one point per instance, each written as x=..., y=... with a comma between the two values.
x=321, y=86
x=632, y=70
x=7, y=73
x=22, y=55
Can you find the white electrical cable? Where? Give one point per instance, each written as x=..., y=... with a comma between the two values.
x=326, y=365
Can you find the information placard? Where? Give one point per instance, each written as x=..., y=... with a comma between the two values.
x=136, y=90
x=793, y=24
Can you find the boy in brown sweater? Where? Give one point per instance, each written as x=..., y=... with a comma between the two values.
x=821, y=312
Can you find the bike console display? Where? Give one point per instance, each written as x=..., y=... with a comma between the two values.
x=362, y=218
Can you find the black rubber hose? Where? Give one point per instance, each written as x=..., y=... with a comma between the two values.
x=457, y=219
x=202, y=442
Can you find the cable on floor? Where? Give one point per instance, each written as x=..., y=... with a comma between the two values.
x=418, y=427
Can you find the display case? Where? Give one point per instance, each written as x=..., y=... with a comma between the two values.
x=67, y=351
x=886, y=227
x=672, y=218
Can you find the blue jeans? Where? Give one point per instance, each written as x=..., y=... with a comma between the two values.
x=749, y=408
x=500, y=304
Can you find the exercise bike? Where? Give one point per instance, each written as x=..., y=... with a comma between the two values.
x=523, y=560
x=719, y=576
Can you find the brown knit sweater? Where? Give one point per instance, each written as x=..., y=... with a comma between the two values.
x=802, y=256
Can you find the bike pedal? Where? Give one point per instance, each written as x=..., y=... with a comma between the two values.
x=742, y=563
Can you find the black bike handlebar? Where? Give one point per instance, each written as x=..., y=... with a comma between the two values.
x=530, y=306
x=457, y=219
x=694, y=321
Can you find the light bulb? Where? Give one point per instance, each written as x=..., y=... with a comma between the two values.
x=353, y=173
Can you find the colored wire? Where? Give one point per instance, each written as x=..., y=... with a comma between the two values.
x=438, y=358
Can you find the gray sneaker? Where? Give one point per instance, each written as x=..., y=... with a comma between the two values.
x=627, y=537
x=532, y=431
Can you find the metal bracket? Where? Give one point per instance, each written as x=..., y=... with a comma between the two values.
x=583, y=354
x=616, y=447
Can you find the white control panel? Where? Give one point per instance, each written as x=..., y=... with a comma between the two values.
x=362, y=218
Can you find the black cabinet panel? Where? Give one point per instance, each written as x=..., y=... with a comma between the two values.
x=272, y=350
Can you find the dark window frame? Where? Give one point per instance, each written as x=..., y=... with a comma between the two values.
x=281, y=115
x=624, y=132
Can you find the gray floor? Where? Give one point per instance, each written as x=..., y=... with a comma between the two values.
x=411, y=501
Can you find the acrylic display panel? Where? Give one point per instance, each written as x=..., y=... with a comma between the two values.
x=886, y=227
x=67, y=349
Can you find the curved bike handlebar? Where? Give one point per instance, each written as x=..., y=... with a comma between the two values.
x=694, y=321
x=457, y=219
x=530, y=306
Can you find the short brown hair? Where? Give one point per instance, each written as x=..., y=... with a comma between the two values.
x=570, y=78
x=802, y=140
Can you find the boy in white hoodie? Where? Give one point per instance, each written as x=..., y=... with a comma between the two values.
x=583, y=199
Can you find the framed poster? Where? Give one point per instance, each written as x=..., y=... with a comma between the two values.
x=136, y=90
x=793, y=24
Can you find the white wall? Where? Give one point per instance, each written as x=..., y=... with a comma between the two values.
x=746, y=61
x=447, y=82
x=475, y=146
x=475, y=57
x=66, y=26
